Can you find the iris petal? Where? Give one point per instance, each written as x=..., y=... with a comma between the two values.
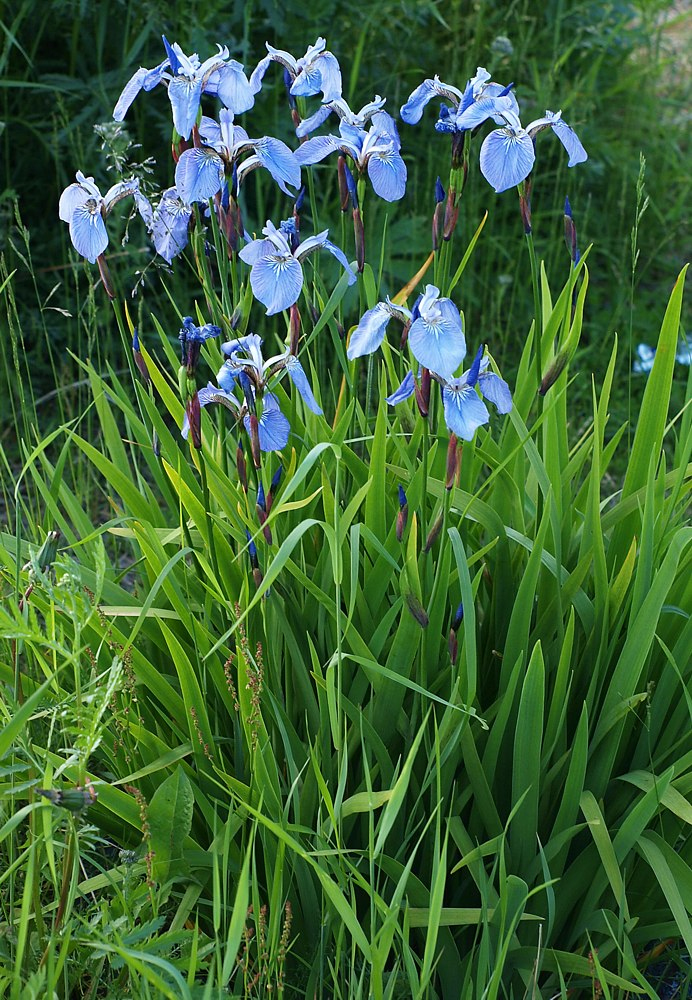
x=233, y=87
x=496, y=390
x=437, y=340
x=300, y=381
x=406, y=389
x=387, y=172
x=369, y=333
x=464, y=411
x=277, y=281
x=279, y=160
x=88, y=231
x=316, y=149
x=506, y=158
x=273, y=428
x=170, y=225
x=198, y=174
x=412, y=111
x=184, y=95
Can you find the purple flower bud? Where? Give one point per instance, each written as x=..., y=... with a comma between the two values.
x=458, y=616
x=417, y=610
x=439, y=191
x=402, y=516
x=452, y=461
x=434, y=531
x=139, y=360
x=242, y=468
x=570, y=233
x=194, y=416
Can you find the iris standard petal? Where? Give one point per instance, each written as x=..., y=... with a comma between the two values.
x=233, y=87
x=227, y=376
x=369, y=333
x=277, y=281
x=464, y=411
x=88, y=230
x=506, y=158
x=198, y=174
x=300, y=380
x=405, y=390
x=496, y=390
x=279, y=160
x=482, y=109
x=184, y=95
x=387, y=173
x=331, y=76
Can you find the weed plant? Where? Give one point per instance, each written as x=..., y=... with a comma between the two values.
x=394, y=703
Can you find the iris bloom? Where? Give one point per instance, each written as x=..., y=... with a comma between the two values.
x=187, y=79
x=318, y=70
x=436, y=335
x=376, y=151
x=200, y=172
x=477, y=97
x=358, y=119
x=84, y=208
x=646, y=354
x=245, y=368
x=464, y=410
x=508, y=153
x=276, y=274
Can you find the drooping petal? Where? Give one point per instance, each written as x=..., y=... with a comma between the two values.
x=464, y=411
x=232, y=87
x=143, y=79
x=369, y=333
x=258, y=72
x=170, y=225
x=198, y=174
x=279, y=160
x=255, y=250
x=120, y=190
x=210, y=394
x=405, y=390
x=316, y=149
x=73, y=196
x=210, y=132
x=184, y=95
x=273, y=426
x=439, y=345
x=277, y=281
x=412, y=111
x=387, y=172
x=485, y=107
x=496, y=390
x=300, y=381
x=88, y=230
x=320, y=242
x=227, y=376
x=571, y=142
x=309, y=125
x=507, y=158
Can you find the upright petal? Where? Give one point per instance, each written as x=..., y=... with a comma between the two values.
x=369, y=333
x=300, y=381
x=184, y=95
x=198, y=174
x=331, y=76
x=88, y=230
x=277, y=281
x=464, y=411
x=507, y=158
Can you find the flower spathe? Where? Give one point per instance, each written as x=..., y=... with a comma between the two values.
x=276, y=275
x=84, y=208
x=187, y=79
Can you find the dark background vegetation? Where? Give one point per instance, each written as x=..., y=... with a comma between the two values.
x=618, y=71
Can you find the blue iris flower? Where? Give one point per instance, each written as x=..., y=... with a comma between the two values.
x=318, y=70
x=187, y=79
x=376, y=150
x=245, y=355
x=276, y=274
x=84, y=208
x=508, y=153
x=200, y=172
x=478, y=96
x=645, y=357
x=435, y=336
x=464, y=410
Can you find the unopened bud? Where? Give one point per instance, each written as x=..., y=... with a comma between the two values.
x=194, y=416
x=553, y=373
x=570, y=233
x=417, y=610
x=359, y=235
x=105, y=276
x=453, y=645
x=294, y=328
x=139, y=360
x=434, y=531
x=343, y=186
x=452, y=461
x=254, y=440
x=273, y=487
x=525, y=205
x=422, y=393
x=242, y=468
x=402, y=516
x=451, y=214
